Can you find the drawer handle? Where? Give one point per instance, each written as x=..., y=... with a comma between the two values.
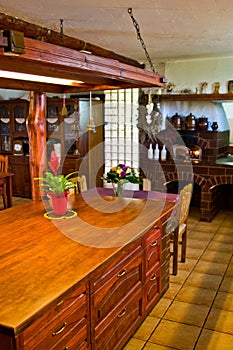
x=153, y=277
x=122, y=313
x=122, y=273
x=60, y=330
x=60, y=303
x=154, y=244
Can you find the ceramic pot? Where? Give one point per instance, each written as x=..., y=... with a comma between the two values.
x=203, y=123
x=214, y=126
x=191, y=122
x=59, y=205
x=176, y=121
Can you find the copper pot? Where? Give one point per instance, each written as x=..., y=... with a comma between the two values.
x=191, y=122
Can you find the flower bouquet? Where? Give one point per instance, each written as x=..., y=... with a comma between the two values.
x=120, y=175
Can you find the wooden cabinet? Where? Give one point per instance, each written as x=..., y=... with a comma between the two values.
x=68, y=132
x=21, y=181
x=13, y=115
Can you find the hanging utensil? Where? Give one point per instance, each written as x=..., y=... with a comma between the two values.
x=64, y=109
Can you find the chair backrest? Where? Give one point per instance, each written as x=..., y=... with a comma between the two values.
x=181, y=211
x=3, y=164
x=81, y=182
x=184, y=202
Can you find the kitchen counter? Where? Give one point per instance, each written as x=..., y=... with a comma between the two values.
x=42, y=259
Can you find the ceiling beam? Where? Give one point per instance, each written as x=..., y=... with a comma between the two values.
x=45, y=34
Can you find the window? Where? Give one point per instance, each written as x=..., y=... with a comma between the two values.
x=121, y=132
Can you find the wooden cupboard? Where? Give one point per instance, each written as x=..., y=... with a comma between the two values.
x=68, y=131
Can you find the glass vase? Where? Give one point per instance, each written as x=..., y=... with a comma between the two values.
x=118, y=189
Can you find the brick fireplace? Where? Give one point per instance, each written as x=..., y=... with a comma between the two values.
x=208, y=175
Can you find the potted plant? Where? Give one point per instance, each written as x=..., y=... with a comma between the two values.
x=56, y=186
x=120, y=175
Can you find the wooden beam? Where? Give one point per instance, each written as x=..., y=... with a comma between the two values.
x=41, y=33
x=51, y=60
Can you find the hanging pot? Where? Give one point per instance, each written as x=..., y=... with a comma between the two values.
x=59, y=204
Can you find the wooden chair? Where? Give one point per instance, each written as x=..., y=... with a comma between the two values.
x=177, y=226
x=81, y=183
x=3, y=169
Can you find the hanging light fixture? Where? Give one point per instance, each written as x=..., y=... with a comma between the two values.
x=91, y=124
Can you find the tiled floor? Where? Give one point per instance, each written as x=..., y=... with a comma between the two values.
x=197, y=310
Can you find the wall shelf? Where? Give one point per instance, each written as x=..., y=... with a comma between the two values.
x=196, y=97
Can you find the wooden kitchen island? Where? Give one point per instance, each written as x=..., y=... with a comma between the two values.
x=84, y=282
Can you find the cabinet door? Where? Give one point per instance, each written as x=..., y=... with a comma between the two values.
x=19, y=166
x=5, y=129
x=20, y=112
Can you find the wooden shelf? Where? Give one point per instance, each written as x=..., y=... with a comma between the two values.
x=196, y=97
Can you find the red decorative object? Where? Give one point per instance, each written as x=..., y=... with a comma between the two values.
x=59, y=204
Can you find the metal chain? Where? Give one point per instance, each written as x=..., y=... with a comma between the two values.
x=61, y=29
x=136, y=25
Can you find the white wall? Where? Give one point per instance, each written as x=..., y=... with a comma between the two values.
x=189, y=74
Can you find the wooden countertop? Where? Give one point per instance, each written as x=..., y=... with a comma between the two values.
x=40, y=259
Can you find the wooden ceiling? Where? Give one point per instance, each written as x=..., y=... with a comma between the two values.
x=106, y=70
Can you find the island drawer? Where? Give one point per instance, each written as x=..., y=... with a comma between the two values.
x=152, y=288
x=153, y=249
x=115, y=284
x=121, y=323
x=60, y=324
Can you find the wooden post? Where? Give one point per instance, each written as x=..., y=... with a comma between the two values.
x=36, y=127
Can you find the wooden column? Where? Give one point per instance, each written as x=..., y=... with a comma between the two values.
x=36, y=127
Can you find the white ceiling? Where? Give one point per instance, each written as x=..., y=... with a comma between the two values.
x=171, y=29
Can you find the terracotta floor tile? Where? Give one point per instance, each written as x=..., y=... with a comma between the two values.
x=206, y=227
x=160, y=309
x=150, y=346
x=220, y=321
x=227, y=285
x=195, y=295
x=221, y=246
x=217, y=256
x=210, y=340
x=188, y=265
x=187, y=313
x=210, y=268
x=172, y=291
x=219, y=237
x=203, y=280
x=201, y=235
x=134, y=344
x=226, y=230
x=224, y=301
x=229, y=272
x=147, y=328
x=196, y=243
x=181, y=275
x=193, y=253
x=176, y=335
